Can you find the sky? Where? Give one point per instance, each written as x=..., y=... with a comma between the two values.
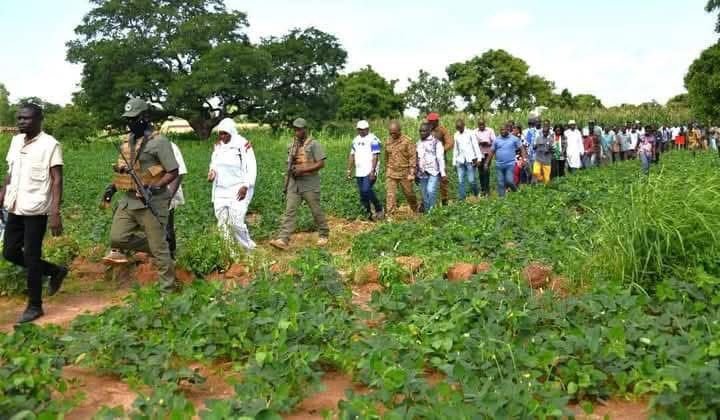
x=623, y=51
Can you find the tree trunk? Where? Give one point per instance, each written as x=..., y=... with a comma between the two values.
x=202, y=127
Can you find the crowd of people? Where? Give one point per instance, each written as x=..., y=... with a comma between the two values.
x=149, y=172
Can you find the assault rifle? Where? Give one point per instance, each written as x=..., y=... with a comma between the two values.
x=289, y=171
x=145, y=193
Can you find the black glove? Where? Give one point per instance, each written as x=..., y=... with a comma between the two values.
x=110, y=190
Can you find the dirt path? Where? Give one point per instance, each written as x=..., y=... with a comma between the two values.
x=61, y=310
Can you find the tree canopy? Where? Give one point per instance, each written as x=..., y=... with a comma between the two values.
x=305, y=65
x=365, y=94
x=430, y=93
x=497, y=80
x=7, y=117
x=703, y=84
x=193, y=58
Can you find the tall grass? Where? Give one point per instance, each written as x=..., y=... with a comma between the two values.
x=669, y=221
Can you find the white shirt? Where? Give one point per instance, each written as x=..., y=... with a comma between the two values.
x=430, y=157
x=466, y=148
x=28, y=193
x=178, y=199
x=235, y=167
x=364, y=149
x=575, y=148
x=675, y=132
x=634, y=139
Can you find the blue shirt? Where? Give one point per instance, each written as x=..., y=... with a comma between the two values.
x=505, y=149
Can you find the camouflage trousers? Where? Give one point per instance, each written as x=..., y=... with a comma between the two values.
x=391, y=185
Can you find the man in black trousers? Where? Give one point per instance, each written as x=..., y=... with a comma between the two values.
x=32, y=195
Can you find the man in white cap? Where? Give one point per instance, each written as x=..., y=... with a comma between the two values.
x=364, y=156
x=575, y=146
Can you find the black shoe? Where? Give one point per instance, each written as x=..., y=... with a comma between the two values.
x=31, y=313
x=56, y=280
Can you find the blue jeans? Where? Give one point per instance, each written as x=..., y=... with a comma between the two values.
x=645, y=160
x=466, y=172
x=505, y=179
x=428, y=189
x=367, y=194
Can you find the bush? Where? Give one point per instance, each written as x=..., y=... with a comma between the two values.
x=206, y=253
x=71, y=123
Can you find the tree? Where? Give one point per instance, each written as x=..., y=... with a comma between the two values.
x=586, y=101
x=48, y=108
x=305, y=65
x=703, y=84
x=678, y=101
x=189, y=56
x=712, y=6
x=496, y=80
x=366, y=94
x=6, y=113
x=430, y=93
x=71, y=123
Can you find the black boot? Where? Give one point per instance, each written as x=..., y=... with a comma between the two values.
x=56, y=280
x=32, y=312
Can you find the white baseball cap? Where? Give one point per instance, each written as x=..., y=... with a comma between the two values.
x=571, y=122
x=362, y=125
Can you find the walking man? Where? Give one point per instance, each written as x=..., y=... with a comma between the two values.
x=139, y=224
x=32, y=194
x=505, y=148
x=575, y=146
x=306, y=157
x=485, y=137
x=400, y=164
x=364, y=156
x=543, y=147
x=441, y=133
x=466, y=155
x=431, y=165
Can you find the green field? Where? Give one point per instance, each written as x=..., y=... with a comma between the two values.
x=629, y=312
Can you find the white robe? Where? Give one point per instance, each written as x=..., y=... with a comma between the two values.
x=235, y=167
x=575, y=148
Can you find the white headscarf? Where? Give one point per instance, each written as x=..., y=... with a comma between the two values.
x=227, y=125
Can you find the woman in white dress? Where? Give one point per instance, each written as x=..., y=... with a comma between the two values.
x=232, y=172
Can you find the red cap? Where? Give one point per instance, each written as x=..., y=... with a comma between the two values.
x=433, y=116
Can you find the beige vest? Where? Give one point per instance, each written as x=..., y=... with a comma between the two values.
x=123, y=181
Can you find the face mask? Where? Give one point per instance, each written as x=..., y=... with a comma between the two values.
x=138, y=127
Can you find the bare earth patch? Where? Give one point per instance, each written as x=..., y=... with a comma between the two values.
x=537, y=275
x=98, y=390
x=313, y=406
x=614, y=410
x=362, y=294
x=460, y=272
x=217, y=385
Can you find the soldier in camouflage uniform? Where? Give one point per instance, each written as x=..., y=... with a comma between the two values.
x=134, y=226
x=400, y=164
x=441, y=133
x=306, y=158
